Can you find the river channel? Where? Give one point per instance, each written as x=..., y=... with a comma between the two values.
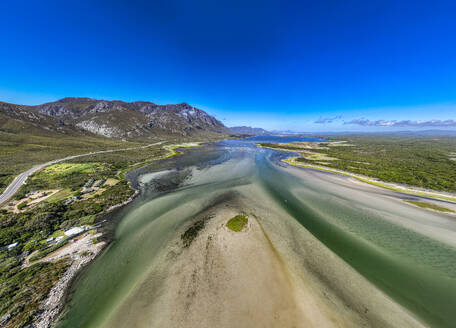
x=320, y=250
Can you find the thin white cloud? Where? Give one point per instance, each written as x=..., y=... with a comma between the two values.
x=325, y=120
x=406, y=123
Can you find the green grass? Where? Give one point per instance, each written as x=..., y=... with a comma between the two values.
x=318, y=157
x=61, y=195
x=238, y=222
x=87, y=220
x=48, y=251
x=430, y=206
x=64, y=169
x=68, y=174
x=57, y=233
x=21, y=151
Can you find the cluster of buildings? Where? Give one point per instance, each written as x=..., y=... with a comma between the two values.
x=91, y=186
x=66, y=234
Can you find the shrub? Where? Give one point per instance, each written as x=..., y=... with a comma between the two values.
x=20, y=195
x=21, y=206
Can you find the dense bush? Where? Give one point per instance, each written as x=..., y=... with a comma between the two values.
x=418, y=161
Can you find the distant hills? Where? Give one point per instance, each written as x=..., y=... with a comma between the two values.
x=138, y=120
x=247, y=130
x=112, y=119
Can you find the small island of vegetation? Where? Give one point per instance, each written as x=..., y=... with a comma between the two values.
x=237, y=223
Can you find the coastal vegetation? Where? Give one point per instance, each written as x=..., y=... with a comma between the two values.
x=23, y=289
x=237, y=223
x=430, y=206
x=36, y=229
x=424, y=162
x=21, y=206
x=47, y=251
x=85, y=189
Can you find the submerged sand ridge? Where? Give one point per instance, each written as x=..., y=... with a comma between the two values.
x=241, y=279
x=224, y=279
x=231, y=279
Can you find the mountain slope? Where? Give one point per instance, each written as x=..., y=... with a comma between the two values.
x=29, y=138
x=17, y=119
x=249, y=131
x=135, y=120
x=31, y=135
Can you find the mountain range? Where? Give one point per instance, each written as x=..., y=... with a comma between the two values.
x=247, y=130
x=112, y=119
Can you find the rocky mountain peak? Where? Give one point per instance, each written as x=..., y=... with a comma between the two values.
x=119, y=119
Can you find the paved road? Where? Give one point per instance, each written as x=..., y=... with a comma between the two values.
x=21, y=178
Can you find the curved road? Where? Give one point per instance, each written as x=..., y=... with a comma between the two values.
x=21, y=178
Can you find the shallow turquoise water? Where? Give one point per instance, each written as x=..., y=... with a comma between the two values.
x=393, y=245
x=417, y=271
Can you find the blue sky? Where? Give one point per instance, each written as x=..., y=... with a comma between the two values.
x=350, y=65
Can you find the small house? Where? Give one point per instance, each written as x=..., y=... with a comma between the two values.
x=12, y=246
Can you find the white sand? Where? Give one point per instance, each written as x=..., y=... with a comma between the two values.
x=273, y=274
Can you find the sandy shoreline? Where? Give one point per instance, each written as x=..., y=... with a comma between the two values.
x=253, y=278
x=81, y=253
x=415, y=191
x=55, y=301
x=407, y=189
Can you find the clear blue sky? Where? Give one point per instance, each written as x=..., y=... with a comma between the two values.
x=275, y=64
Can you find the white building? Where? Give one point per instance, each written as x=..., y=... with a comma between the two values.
x=11, y=246
x=73, y=231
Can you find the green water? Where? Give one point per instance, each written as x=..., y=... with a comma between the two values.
x=415, y=270
x=402, y=250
